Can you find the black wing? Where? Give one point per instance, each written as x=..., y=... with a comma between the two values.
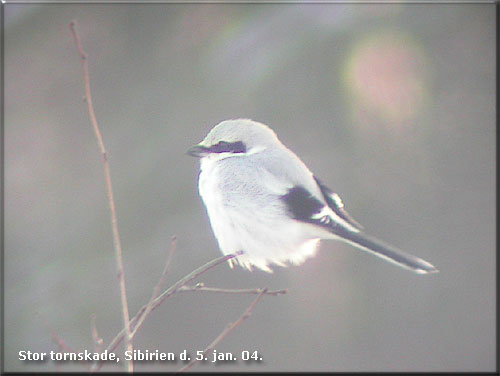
x=305, y=207
x=335, y=203
x=301, y=204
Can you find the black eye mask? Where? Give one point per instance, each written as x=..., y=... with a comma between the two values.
x=228, y=147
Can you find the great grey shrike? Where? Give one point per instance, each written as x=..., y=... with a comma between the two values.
x=263, y=200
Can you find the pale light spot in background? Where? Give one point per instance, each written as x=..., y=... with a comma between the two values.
x=385, y=75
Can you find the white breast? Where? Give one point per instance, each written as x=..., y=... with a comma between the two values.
x=253, y=224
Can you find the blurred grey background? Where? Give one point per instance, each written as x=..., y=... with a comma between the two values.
x=391, y=105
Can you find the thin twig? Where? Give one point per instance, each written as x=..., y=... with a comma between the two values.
x=62, y=345
x=194, y=274
x=160, y=299
x=226, y=331
x=98, y=342
x=201, y=287
x=157, y=288
x=109, y=190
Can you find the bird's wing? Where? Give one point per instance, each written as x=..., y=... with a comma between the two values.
x=305, y=197
x=335, y=203
x=305, y=207
x=302, y=205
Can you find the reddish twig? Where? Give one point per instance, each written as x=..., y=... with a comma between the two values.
x=157, y=288
x=109, y=191
x=226, y=331
x=98, y=342
x=62, y=345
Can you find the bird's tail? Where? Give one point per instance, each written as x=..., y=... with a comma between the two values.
x=387, y=252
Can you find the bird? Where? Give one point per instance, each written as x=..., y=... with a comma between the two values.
x=265, y=203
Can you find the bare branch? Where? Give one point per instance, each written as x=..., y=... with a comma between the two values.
x=157, y=288
x=202, y=287
x=194, y=274
x=226, y=331
x=160, y=299
x=109, y=190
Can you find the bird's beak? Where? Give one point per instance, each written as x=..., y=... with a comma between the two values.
x=197, y=151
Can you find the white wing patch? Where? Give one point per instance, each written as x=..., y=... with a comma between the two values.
x=328, y=217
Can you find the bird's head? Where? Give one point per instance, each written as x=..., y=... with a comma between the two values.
x=235, y=138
